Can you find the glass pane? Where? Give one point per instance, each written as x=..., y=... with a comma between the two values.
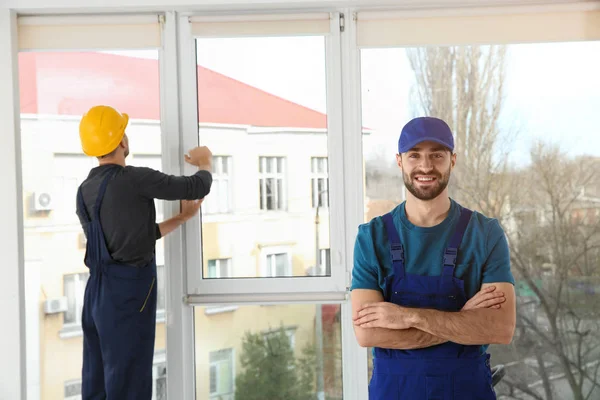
x=161, y=293
x=271, y=194
x=56, y=88
x=225, y=165
x=280, y=195
x=524, y=118
x=291, y=352
x=213, y=379
x=322, y=166
x=322, y=192
x=281, y=264
x=70, y=291
x=212, y=268
x=224, y=268
x=262, y=193
x=258, y=99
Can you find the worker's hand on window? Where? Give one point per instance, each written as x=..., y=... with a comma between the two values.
x=383, y=315
x=201, y=157
x=189, y=208
x=485, y=298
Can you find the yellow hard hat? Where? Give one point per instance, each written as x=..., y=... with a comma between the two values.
x=101, y=130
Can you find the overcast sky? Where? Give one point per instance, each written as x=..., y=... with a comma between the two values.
x=552, y=90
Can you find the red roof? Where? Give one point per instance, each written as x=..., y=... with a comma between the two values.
x=70, y=83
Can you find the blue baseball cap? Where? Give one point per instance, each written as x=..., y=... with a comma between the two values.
x=423, y=129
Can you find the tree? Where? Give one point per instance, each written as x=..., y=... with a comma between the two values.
x=270, y=369
x=556, y=255
x=550, y=250
x=464, y=86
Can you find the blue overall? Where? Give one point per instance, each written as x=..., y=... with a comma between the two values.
x=118, y=318
x=448, y=371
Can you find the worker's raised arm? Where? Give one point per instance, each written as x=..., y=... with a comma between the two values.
x=157, y=185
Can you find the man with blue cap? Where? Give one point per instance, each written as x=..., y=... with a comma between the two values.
x=431, y=283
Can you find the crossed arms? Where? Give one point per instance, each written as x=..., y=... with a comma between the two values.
x=487, y=318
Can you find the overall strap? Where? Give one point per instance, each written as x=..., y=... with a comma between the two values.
x=396, y=249
x=451, y=251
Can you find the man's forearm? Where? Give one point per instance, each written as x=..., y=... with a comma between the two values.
x=170, y=225
x=405, y=339
x=471, y=327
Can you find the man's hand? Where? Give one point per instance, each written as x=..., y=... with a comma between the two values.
x=201, y=157
x=485, y=298
x=189, y=208
x=383, y=315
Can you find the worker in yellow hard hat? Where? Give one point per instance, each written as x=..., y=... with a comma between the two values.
x=115, y=205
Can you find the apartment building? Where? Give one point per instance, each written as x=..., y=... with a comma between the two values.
x=270, y=182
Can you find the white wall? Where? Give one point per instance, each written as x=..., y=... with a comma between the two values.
x=34, y=6
x=12, y=339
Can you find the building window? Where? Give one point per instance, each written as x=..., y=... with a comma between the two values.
x=276, y=262
x=74, y=289
x=159, y=376
x=219, y=200
x=319, y=182
x=221, y=373
x=275, y=335
x=73, y=390
x=220, y=268
x=272, y=183
x=69, y=172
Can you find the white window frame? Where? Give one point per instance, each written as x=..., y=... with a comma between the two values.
x=263, y=176
x=265, y=290
x=315, y=177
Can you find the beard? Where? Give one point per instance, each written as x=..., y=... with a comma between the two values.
x=427, y=192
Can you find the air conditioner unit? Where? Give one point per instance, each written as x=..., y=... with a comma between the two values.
x=57, y=305
x=42, y=201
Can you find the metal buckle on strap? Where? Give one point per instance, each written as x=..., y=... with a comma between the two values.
x=397, y=252
x=450, y=256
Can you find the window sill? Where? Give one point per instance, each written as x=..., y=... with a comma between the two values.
x=212, y=310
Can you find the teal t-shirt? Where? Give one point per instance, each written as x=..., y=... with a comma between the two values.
x=483, y=255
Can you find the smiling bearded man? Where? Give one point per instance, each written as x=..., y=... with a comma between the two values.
x=431, y=282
